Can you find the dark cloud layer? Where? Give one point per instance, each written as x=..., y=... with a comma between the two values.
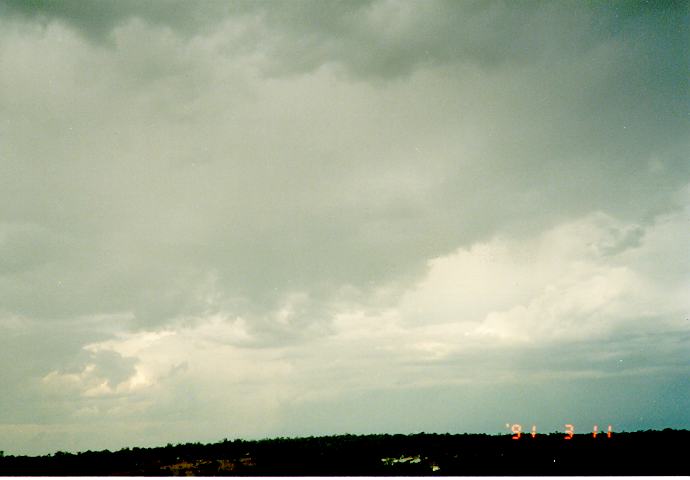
x=390, y=38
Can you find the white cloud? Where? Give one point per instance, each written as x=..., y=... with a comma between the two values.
x=564, y=292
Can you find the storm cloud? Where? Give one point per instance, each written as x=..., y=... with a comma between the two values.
x=259, y=218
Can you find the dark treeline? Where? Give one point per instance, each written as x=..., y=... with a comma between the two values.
x=640, y=453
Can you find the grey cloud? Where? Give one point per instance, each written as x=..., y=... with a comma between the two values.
x=387, y=39
x=97, y=19
x=165, y=162
x=30, y=349
x=552, y=138
x=112, y=367
x=25, y=246
x=384, y=40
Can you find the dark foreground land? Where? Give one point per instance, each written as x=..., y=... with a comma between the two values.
x=641, y=453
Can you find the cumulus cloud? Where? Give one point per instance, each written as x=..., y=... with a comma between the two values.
x=563, y=305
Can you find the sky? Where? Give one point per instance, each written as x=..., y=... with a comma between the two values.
x=259, y=219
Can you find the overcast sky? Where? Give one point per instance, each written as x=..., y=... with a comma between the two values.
x=252, y=219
